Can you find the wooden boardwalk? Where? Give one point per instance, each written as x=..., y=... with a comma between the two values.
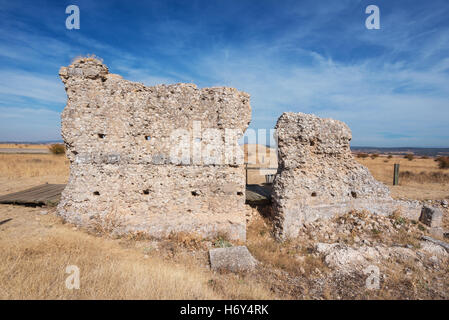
x=51, y=193
x=258, y=194
x=39, y=195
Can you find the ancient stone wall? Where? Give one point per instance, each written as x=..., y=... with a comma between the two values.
x=155, y=160
x=318, y=176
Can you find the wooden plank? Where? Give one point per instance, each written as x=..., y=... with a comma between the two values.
x=38, y=195
x=32, y=192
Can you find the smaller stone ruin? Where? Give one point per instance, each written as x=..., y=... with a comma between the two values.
x=319, y=178
x=152, y=160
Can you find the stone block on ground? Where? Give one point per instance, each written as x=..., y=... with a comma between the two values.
x=235, y=259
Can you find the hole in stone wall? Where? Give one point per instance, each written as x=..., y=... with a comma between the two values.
x=313, y=194
x=353, y=194
x=239, y=193
x=101, y=135
x=96, y=193
x=146, y=191
x=312, y=143
x=148, y=138
x=195, y=193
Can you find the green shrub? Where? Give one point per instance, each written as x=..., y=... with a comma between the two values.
x=409, y=157
x=443, y=162
x=57, y=148
x=362, y=155
x=221, y=242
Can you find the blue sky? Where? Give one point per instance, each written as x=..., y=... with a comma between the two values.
x=391, y=86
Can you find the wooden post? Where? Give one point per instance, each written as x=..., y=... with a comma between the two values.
x=396, y=174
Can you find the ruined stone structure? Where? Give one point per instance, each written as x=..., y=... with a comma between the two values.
x=318, y=176
x=152, y=160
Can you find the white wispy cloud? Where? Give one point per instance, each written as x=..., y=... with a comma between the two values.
x=391, y=86
x=29, y=124
x=32, y=85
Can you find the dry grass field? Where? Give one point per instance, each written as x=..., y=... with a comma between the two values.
x=36, y=248
x=259, y=156
x=20, y=171
x=23, y=146
x=419, y=179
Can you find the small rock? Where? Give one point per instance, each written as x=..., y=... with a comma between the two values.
x=444, y=203
x=44, y=212
x=234, y=259
x=434, y=260
x=408, y=271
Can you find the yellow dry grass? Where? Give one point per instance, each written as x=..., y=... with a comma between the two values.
x=415, y=187
x=22, y=171
x=14, y=166
x=23, y=146
x=259, y=156
x=35, y=251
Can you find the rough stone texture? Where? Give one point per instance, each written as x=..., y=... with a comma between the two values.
x=345, y=259
x=120, y=140
x=431, y=216
x=319, y=178
x=438, y=248
x=235, y=259
x=437, y=242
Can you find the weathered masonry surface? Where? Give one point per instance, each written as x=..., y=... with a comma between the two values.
x=319, y=178
x=154, y=160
